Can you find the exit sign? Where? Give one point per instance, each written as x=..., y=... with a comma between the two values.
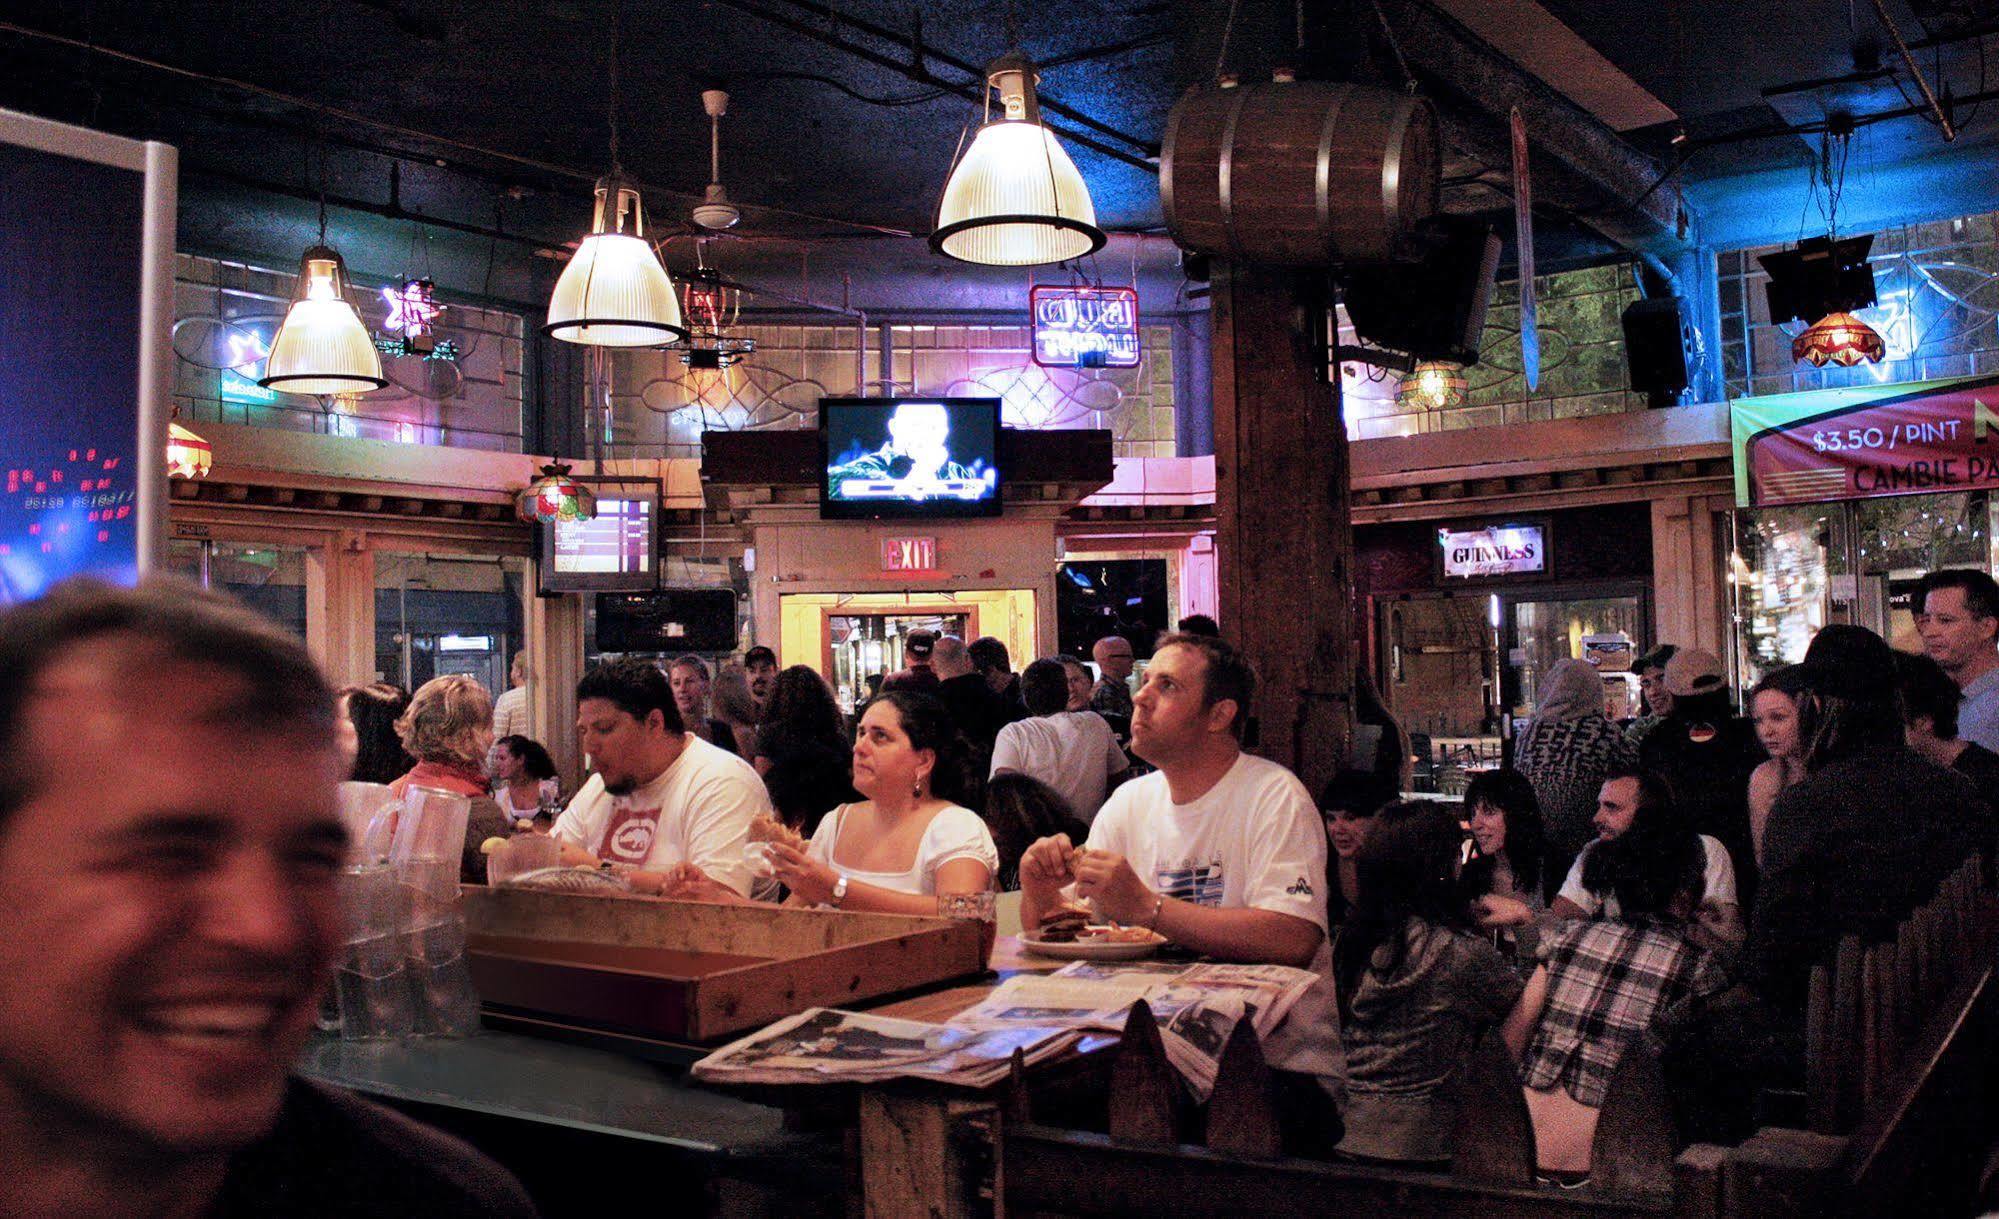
x=909, y=554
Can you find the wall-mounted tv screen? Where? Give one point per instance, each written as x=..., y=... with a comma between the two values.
x=909, y=457
x=86, y=254
x=613, y=552
x=668, y=621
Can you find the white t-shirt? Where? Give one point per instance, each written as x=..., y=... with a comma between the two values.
x=1074, y=752
x=1253, y=840
x=698, y=810
x=954, y=833
x=1718, y=875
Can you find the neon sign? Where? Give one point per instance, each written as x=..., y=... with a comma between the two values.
x=1084, y=327
x=413, y=314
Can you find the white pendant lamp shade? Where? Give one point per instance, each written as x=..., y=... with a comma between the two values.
x=614, y=292
x=1016, y=199
x=322, y=347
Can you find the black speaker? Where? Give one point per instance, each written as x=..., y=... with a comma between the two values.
x=667, y=622
x=1820, y=276
x=1435, y=308
x=1662, y=348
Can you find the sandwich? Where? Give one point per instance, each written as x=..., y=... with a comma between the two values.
x=1064, y=924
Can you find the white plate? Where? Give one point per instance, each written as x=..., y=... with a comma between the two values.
x=1094, y=950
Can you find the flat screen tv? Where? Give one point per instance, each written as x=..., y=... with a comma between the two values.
x=616, y=551
x=86, y=257
x=903, y=458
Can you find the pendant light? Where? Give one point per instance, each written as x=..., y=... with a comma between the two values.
x=1015, y=198
x=1839, y=338
x=555, y=496
x=614, y=292
x=188, y=455
x=1433, y=385
x=322, y=347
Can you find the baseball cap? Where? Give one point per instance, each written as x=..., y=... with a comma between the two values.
x=1692, y=671
x=919, y=643
x=759, y=653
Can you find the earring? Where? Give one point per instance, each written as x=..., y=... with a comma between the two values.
x=916, y=791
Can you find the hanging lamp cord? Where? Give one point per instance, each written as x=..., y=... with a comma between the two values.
x=617, y=9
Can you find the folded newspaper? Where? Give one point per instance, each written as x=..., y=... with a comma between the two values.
x=1197, y=1008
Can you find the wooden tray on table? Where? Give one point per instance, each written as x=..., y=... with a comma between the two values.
x=688, y=972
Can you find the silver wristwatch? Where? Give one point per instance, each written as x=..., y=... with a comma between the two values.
x=839, y=891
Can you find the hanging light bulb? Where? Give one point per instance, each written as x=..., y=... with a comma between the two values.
x=555, y=497
x=1839, y=338
x=1433, y=385
x=614, y=292
x=322, y=347
x=1015, y=198
x=188, y=455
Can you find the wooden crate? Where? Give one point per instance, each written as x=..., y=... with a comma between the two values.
x=695, y=971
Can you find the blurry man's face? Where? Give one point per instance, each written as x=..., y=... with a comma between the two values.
x=922, y=430
x=690, y=692
x=169, y=896
x=1113, y=656
x=1652, y=684
x=762, y=673
x=1953, y=635
x=1079, y=688
x=1616, y=807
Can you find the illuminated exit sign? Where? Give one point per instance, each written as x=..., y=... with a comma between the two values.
x=909, y=554
x=1084, y=326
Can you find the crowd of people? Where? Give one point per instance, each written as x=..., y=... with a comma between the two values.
x=1671, y=880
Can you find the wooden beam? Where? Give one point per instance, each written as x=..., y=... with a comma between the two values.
x=1284, y=533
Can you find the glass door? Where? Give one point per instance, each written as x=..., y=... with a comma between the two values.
x=1546, y=626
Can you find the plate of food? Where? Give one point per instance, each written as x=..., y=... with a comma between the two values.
x=1070, y=934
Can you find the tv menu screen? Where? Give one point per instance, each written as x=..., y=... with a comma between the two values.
x=612, y=551
x=910, y=457
x=70, y=249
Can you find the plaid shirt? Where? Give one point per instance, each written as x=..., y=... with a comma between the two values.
x=1608, y=982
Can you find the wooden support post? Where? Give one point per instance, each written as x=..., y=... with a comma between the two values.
x=1143, y=1084
x=1632, y=1152
x=910, y=1161
x=1242, y=1112
x=1284, y=532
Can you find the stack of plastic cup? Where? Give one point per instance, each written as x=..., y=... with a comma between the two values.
x=371, y=992
x=429, y=842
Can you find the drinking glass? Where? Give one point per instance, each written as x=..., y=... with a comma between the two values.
x=522, y=853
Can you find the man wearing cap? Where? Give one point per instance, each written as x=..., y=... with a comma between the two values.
x=918, y=675
x=1707, y=753
x=1959, y=621
x=760, y=663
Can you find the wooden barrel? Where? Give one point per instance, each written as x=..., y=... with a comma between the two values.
x=1301, y=173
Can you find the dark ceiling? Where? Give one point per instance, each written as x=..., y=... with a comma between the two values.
x=845, y=113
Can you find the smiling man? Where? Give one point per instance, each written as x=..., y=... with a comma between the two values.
x=661, y=796
x=167, y=881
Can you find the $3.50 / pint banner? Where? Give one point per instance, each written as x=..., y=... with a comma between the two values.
x=1866, y=441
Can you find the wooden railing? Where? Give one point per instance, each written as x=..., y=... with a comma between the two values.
x=1902, y=1041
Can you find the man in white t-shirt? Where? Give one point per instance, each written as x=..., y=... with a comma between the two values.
x=1073, y=752
x=1625, y=793
x=661, y=796
x=1218, y=851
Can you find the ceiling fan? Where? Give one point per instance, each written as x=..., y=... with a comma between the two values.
x=715, y=212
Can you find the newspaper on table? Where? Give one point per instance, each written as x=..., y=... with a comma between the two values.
x=824, y=1045
x=1197, y=1008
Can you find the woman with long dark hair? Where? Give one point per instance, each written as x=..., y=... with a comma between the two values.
x=1775, y=705
x=1021, y=810
x=373, y=710
x=802, y=750
x=1417, y=986
x=1505, y=881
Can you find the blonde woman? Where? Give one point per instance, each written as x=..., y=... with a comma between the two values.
x=448, y=728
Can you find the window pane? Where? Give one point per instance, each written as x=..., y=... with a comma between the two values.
x=437, y=615
x=268, y=579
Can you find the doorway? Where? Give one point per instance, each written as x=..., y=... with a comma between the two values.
x=862, y=648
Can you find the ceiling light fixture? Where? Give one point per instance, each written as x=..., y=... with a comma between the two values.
x=555, y=496
x=1839, y=338
x=1433, y=385
x=322, y=347
x=614, y=292
x=1015, y=199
